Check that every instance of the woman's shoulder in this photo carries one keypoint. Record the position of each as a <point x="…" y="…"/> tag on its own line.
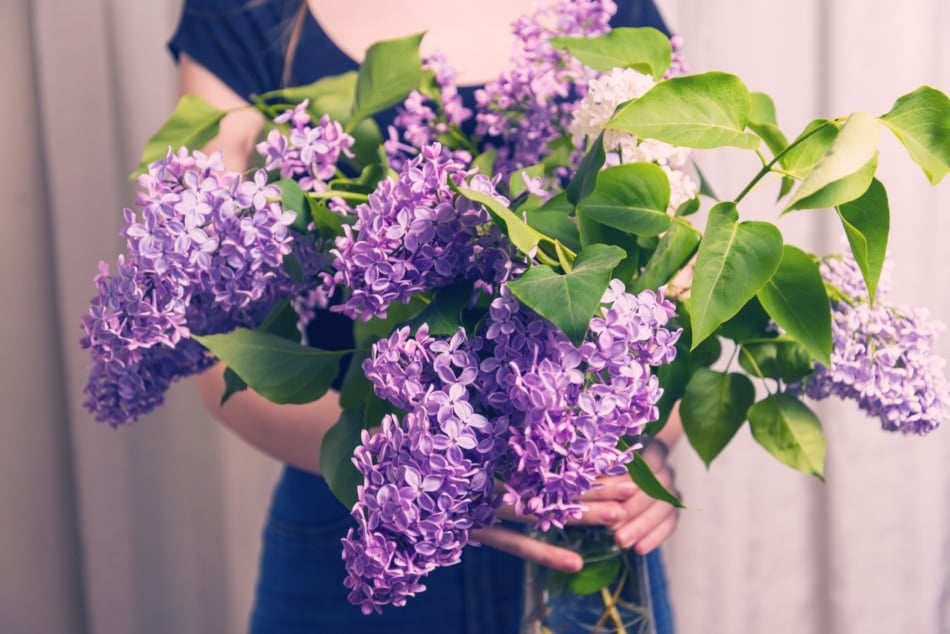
<point x="240" y="41"/>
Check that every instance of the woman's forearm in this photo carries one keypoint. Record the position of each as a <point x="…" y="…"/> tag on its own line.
<point x="290" y="433"/>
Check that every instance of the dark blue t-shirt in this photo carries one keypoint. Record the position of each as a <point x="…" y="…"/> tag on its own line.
<point x="243" y="41"/>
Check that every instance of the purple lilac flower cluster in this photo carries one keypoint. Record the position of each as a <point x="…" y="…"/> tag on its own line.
<point x="204" y="257"/>
<point x="414" y="234"/>
<point x="883" y="357"/>
<point x="428" y="477"/>
<point x="421" y="121"/>
<point x="569" y="405"/>
<point x="519" y="401"/>
<point x="530" y="105"/>
<point x="678" y="65"/>
<point x="306" y="152"/>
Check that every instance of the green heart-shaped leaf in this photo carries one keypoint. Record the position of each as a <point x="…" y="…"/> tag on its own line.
<point x="643" y="477"/>
<point x="808" y="148"/>
<point x="331" y="95"/>
<point x="570" y="300"/>
<point x="594" y="576"/>
<point x="789" y="431"/>
<point x="279" y="370"/>
<point x="293" y="198"/>
<point x="778" y="358"/>
<point x="762" y="121"/>
<point x="390" y="70"/>
<point x="702" y="111"/>
<point x="281" y="321"/>
<point x="713" y="409"/>
<point x="733" y="262"/>
<point x="631" y="198"/>
<point x="644" y="49"/>
<point x="921" y="121"/>
<point x="845" y="170"/>
<point x="334" y="96"/>
<point x="444" y="313"/>
<point x="795" y="298"/>
<point x="673" y="377"/>
<point x="751" y="322"/>
<point x="555" y="224"/>
<point x="368" y="332"/>
<point x="867" y="222"/>
<point x="192" y="124"/>
<point x="336" y="456"/>
<point x="585" y="178"/>
<point x="675" y="249"/>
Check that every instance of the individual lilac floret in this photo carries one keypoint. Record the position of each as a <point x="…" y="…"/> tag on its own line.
<point x="883" y="356"/>
<point x="307" y="152"/>
<point x="204" y="256"/>
<point x="413" y="235"/>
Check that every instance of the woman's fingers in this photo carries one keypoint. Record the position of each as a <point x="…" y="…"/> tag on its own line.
<point x="643" y="523"/>
<point x="613" y="488"/>
<point x="520" y="545"/>
<point x="595" y="513"/>
<point x="658" y="535"/>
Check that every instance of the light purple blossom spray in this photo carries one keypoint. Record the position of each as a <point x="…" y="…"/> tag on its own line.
<point x="518" y="401"/>
<point x="883" y="356"/>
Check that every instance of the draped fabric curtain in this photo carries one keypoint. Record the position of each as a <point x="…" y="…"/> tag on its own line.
<point x="155" y="528"/>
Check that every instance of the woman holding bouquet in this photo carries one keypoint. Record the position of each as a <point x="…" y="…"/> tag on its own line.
<point x="229" y="50"/>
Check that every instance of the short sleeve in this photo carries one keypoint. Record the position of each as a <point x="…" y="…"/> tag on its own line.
<point x="639" y="13"/>
<point x="239" y="41"/>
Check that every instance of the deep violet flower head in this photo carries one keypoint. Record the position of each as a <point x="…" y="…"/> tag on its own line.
<point x="883" y="356"/>
<point x="203" y="256"/>
<point x="416" y="234"/>
<point x="518" y="401"/>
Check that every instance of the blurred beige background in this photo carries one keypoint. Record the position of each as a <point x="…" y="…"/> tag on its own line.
<point x="154" y="529"/>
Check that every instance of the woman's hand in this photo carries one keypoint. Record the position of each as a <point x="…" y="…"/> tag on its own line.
<point x="644" y="522"/>
<point x="514" y="542"/>
<point x="638" y="520"/>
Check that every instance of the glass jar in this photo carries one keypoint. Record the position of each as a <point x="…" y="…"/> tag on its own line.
<point x="611" y="595"/>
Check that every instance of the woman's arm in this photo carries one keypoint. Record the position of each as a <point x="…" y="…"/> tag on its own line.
<point x="239" y="128"/>
<point x="290" y="433"/>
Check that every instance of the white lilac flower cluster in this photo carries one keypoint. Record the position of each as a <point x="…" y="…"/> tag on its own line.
<point x="598" y="106"/>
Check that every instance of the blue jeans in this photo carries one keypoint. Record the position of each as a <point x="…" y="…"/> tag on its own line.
<point x="300" y="589"/>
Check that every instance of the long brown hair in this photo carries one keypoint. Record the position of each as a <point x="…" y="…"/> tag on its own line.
<point x="292" y="40"/>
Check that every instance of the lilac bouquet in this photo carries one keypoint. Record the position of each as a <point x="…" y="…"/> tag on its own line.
<point x="529" y="297"/>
